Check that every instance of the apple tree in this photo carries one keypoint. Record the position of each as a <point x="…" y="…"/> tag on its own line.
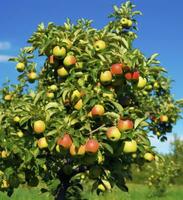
<point x="84" y="107"/>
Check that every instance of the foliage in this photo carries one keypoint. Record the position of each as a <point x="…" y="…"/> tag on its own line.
<point x="69" y="83"/>
<point x="163" y="174"/>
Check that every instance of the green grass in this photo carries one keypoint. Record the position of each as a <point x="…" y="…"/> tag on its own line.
<point x="136" y="192"/>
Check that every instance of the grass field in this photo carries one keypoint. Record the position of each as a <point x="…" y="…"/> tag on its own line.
<point x="136" y="192"/>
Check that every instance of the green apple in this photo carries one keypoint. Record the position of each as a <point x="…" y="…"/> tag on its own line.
<point x="130" y="146"/>
<point x="62" y="72"/>
<point x="156" y="85"/>
<point x="20" y="134"/>
<point x="149" y="156"/>
<point x="69" y="60"/>
<point x="106" y="77"/>
<point x="141" y="82"/>
<point x="20" y="67"/>
<point x="42" y="143"/>
<point x="101" y="187"/>
<point x="113" y="133"/>
<point x="53" y="88"/>
<point x="127" y="23"/>
<point x="32" y="76"/>
<point x="99" y="45"/>
<point x="50" y="95"/>
<point x="16" y="119"/>
<point x="59" y="52"/>
<point x="75" y="95"/>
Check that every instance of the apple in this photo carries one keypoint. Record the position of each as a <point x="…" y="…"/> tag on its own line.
<point x="92" y="146"/>
<point x="113" y="133"/>
<point x="108" y="95"/>
<point x="62" y="72"/>
<point x="106" y="184"/>
<point x="51" y="59"/>
<point x="20" y="134"/>
<point x="97" y="110"/>
<point x="4" y="154"/>
<point x="72" y="149"/>
<point x="142" y="82"/>
<point x="164" y="118"/>
<point x="53" y="88"/>
<point x="50" y="95"/>
<point x="32" y="76"/>
<point x="130" y="23"/>
<point x="79" y="105"/>
<point x="59" y="52"/>
<point x="79" y="65"/>
<point x="99" y="45"/>
<point x="77" y="151"/>
<point x="106" y="77"/>
<point x="135" y="75"/>
<point x="20" y="67"/>
<point x="42" y="143"/>
<point x="68" y="43"/>
<point x="148" y="87"/>
<point x="149" y="156"/>
<point x="117" y="69"/>
<point x="128" y="76"/>
<point x="101" y="187"/>
<point x="75" y="95"/>
<point x="16" y="119"/>
<point x="39" y="126"/>
<point x="65" y="141"/>
<point x="5" y="184"/>
<point x="69" y="60"/>
<point x="125" y="124"/>
<point x="8" y="97"/>
<point x="81" y="150"/>
<point x="158" y="133"/>
<point x="130" y="146"/>
<point x="124" y="22"/>
<point x="156" y="85"/>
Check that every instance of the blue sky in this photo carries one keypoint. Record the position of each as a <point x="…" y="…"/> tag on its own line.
<point x="160" y="30"/>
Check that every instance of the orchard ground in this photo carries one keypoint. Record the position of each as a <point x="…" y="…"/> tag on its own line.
<point x="136" y="192"/>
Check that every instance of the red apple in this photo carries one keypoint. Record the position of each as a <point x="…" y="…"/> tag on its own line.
<point x="135" y="75"/>
<point x="97" y="110"/>
<point x="117" y="69"/>
<point x="65" y="141"/>
<point x="125" y="124"/>
<point x="92" y="146"/>
<point x="69" y="60"/>
<point x="128" y="76"/>
<point x="113" y="133"/>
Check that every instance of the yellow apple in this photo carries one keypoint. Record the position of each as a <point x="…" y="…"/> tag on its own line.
<point x="130" y="146"/>
<point x="148" y="156"/>
<point x="42" y="143"/>
<point x="141" y="82"/>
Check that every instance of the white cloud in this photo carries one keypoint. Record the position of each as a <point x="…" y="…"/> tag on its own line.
<point x="4" y="58"/>
<point x="5" y="45"/>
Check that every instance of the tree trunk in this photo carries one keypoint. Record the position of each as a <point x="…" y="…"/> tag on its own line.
<point x="62" y="190"/>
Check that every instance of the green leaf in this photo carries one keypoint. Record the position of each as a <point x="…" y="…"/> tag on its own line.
<point x="108" y="147"/>
<point x="38" y="96"/>
<point x="137" y="122"/>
